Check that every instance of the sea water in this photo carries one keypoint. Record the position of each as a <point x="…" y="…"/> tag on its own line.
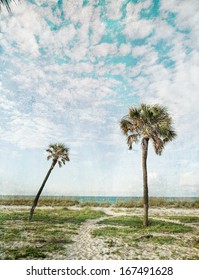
<point x="110" y="199"/>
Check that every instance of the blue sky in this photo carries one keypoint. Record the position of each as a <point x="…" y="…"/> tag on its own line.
<point x="69" y="71"/>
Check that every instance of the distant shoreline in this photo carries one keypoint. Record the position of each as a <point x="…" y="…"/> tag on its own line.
<point x="102" y="201"/>
<point x="100" y="198"/>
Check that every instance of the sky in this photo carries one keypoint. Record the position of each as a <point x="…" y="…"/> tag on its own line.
<point x="70" y="70"/>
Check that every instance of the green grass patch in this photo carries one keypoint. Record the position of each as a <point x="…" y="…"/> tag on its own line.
<point x="162" y="240"/>
<point x="47" y="235"/>
<point x="54" y="216"/>
<point x="25" y="252"/>
<point x="136" y="223"/>
<point x="184" y="219"/>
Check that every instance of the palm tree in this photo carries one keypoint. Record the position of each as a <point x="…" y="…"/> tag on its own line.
<point x="6" y="3"/>
<point x="59" y="154"/>
<point x="147" y="122"/>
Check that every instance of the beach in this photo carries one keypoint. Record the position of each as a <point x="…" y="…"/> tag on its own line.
<point x="86" y="247"/>
<point x="95" y="239"/>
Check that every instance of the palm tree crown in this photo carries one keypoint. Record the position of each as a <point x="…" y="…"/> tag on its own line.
<point x="59" y="153"/>
<point x="148" y="122"/>
<point x="7" y="3"/>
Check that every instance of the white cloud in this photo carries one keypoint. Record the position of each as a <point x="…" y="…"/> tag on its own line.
<point x="138" y="29"/>
<point x="104" y="49"/>
<point x="189" y="179"/>
<point x="118" y="69"/>
<point x="114" y="9"/>
<point x="30" y="133"/>
<point x="71" y="9"/>
<point x="141" y="50"/>
<point x="125" y="49"/>
<point x="98" y="27"/>
<point x="22" y="27"/>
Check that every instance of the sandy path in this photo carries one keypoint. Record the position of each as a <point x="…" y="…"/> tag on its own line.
<point x="85" y="247"/>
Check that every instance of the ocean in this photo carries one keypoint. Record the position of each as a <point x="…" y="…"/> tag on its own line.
<point x="110" y="199"/>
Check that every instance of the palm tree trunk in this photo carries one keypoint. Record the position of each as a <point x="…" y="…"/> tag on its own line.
<point x="40" y="190"/>
<point x="145" y="179"/>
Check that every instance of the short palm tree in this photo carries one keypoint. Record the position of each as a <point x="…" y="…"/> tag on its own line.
<point x="59" y="154"/>
<point x="147" y="122"/>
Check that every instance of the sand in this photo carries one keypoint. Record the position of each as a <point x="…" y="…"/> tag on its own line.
<point x="86" y="247"/>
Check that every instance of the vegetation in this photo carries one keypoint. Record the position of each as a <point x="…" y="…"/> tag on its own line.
<point x="160" y="202"/>
<point x="7" y="3"/>
<point x="135" y="223"/>
<point x="127" y="236"/>
<point x="43" y="201"/>
<point x="47" y="237"/>
<point x="185" y="219"/>
<point x="66" y="202"/>
<point x="147" y="122"/>
<point x="59" y="154"/>
<point x="95" y="204"/>
<point x="50" y="235"/>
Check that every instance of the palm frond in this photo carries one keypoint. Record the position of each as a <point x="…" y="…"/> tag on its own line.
<point x="59" y="163"/>
<point x="67" y="158"/>
<point x="125" y="125"/>
<point x="49" y="157"/>
<point x="133" y="138"/>
<point x="7" y="3"/>
<point x="171" y="134"/>
<point x="134" y="113"/>
<point x="49" y="151"/>
<point x="158" y="145"/>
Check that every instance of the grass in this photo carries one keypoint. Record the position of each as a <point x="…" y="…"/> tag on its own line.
<point x="159" y="202"/>
<point x="184" y="219"/>
<point x="131" y="228"/>
<point x="51" y="232"/>
<point x="64" y="202"/>
<point x="135" y="223"/>
<point x="54" y="216"/>
<point x="161" y="239"/>
<point x="46" y="237"/>
<point x="94" y="204"/>
<point x="43" y="201"/>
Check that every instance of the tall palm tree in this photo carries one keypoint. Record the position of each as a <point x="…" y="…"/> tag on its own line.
<point x="147" y="122"/>
<point x="59" y="154"/>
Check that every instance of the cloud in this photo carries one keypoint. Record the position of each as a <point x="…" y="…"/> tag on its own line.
<point x="65" y="76"/>
<point x="125" y="49"/>
<point x="21" y="29"/>
<point x="105" y="49"/>
<point x="189" y="179"/>
<point x="139" y="29"/>
<point x="30" y="133"/>
<point x="114" y="9"/>
<point x="97" y="26"/>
